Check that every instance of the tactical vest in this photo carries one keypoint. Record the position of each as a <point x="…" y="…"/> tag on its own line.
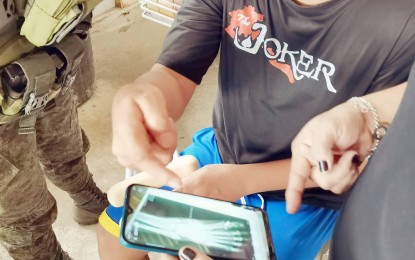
<point x="34" y="68"/>
<point x="42" y="22"/>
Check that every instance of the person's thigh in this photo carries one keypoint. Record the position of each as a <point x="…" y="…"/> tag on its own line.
<point x="110" y="248"/>
<point x="297" y="236"/>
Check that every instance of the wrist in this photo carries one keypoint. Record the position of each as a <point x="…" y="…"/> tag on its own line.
<point x="370" y="115"/>
<point x="243" y="176"/>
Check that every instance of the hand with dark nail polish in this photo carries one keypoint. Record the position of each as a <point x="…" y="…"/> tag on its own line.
<point x="319" y="152"/>
<point x="323" y="166"/>
<point x="187" y="253"/>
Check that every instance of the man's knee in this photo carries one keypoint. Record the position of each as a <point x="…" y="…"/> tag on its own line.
<point x="109" y="247"/>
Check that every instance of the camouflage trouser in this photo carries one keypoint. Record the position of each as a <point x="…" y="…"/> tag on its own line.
<point x="57" y="150"/>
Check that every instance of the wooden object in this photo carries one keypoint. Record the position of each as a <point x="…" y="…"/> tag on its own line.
<point x="160" y="11"/>
<point x="124" y="3"/>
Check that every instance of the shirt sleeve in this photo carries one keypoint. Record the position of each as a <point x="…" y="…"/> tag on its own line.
<point x="194" y="39"/>
<point x="397" y="66"/>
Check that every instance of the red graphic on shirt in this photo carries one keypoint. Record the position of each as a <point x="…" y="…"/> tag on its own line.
<point x="243" y="20"/>
<point x="285" y="68"/>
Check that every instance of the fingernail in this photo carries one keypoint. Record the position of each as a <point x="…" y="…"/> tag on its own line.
<point x="323" y="166"/>
<point x="187" y="254"/>
<point x="355" y="162"/>
<point x="356" y="159"/>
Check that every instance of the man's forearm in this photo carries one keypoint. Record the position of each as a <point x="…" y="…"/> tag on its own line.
<point x="176" y="89"/>
<point x="387" y="101"/>
<point x="269" y="176"/>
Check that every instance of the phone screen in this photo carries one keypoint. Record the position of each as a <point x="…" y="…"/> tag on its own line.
<point x="164" y="221"/>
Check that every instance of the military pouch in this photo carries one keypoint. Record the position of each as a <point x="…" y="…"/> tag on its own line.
<point x="26" y="84"/>
<point x="29" y="83"/>
<point x="70" y="50"/>
<point x="47" y="22"/>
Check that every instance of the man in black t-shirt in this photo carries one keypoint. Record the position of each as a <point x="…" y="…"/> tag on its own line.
<point x="281" y="63"/>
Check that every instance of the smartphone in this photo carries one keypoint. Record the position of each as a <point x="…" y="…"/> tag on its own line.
<point x="164" y="221"/>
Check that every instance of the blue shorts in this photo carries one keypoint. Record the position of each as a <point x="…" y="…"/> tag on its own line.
<point x="299" y="236"/>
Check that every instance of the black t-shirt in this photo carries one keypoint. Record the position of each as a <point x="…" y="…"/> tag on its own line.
<point x="377" y="220"/>
<point x="282" y="64"/>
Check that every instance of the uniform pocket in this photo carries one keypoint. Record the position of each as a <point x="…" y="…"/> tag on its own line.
<point x="7" y="172"/>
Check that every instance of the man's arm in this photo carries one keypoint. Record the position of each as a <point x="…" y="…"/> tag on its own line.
<point x="268" y="176"/>
<point x="144" y="132"/>
<point x="387" y="101"/>
<point x="233" y="181"/>
<point x="176" y="89"/>
<point x="143" y="114"/>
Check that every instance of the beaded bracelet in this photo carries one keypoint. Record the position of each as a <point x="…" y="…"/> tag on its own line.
<point x="379" y="131"/>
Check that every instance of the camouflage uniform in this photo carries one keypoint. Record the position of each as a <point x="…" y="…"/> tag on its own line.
<point x="57" y="150"/>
